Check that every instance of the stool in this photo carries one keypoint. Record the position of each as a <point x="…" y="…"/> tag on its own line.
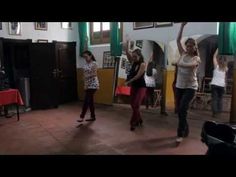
<point x="157" y="93"/>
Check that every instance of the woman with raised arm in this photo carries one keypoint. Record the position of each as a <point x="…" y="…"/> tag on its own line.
<point x="186" y="83"/>
<point x="218" y="83"/>
<point x="150" y="80"/>
<point x="138" y="86"/>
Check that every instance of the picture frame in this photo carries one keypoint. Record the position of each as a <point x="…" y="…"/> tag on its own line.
<point x="41" y="26"/>
<point x="108" y="60"/>
<point x="42" y="41"/>
<point x="163" y="24"/>
<point x="139" y="44"/>
<point x="66" y="25"/>
<point x="128" y="66"/>
<point x="0" y="25"/>
<point x="142" y="25"/>
<point x="123" y="63"/>
<point x="14" y="28"/>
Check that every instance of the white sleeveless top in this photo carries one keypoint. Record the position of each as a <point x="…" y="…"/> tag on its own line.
<point x="187" y="77"/>
<point x="151" y="80"/>
<point x="218" y="77"/>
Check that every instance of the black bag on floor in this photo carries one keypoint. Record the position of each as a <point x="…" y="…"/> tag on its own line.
<point x="220" y="138"/>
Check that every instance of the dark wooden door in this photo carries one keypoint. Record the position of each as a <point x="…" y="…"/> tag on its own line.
<point x="44" y="78"/>
<point x="1" y="53"/>
<point x="66" y="65"/>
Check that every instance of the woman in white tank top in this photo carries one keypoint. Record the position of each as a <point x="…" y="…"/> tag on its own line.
<point x="218" y="83"/>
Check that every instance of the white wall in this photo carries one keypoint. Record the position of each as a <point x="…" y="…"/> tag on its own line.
<point x="166" y="34"/>
<point x="54" y="32"/>
<point x="162" y="34"/>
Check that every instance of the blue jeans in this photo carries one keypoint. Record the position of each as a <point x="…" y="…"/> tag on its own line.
<point x="184" y="97"/>
<point x="217" y="98"/>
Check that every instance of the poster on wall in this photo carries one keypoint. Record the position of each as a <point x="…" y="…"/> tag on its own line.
<point x="108" y="60"/>
<point x="66" y="25"/>
<point x="0" y="25"/>
<point x="41" y="26"/>
<point x="143" y="25"/>
<point x="163" y="24"/>
<point x="14" y="28"/>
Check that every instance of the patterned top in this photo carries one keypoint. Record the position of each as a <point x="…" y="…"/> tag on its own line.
<point x="186" y="76"/>
<point x="90" y="76"/>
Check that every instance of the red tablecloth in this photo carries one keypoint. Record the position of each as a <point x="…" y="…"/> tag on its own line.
<point x="10" y="96"/>
<point x="123" y="90"/>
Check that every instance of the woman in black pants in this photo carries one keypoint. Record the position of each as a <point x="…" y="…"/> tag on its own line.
<point x="186" y="83"/>
<point x="218" y="83"/>
<point x="91" y="84"/>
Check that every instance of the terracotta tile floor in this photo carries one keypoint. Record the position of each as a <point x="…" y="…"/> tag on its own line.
<point x="56" y="131"/>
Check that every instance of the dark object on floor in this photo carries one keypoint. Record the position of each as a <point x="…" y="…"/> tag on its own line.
<point x="220" y="138"/>
<point x="92" y="119"/>
<point x="164" y="113"/>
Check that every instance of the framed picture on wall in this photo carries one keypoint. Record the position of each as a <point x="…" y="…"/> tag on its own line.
<point x="14" y="28"/>
<point x="123" y="63"/>
<point x="41" y="26"/>
<point x="128" y="66"/>
<point x="163" y="24"/>
<point x="143" y="25"/>
<point x="108" y="60"/>
<point x="42" y="41"/>
<point x="0" y="25"/>
<point x="139" y="44"/>
<point x="66" y="25"/>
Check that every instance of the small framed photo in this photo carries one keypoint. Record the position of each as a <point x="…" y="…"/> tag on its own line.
<point x="0" y="25"/>
<point x="139" y="44"/>
<point x="163" y="24"/>
<point x="66" y="25"/>
<point x="41" y="26"/>
<point x="123" y="63"/>
<point x="108" y="60"/>
<point x="14" y="28"/>
<point x="143" y="25"/>
<point x="128" y="66"/>
<point x="42" y="41"/>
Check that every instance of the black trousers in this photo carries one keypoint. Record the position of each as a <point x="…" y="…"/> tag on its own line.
<point x="149" y="96"/>
<point x="184" y="97"/>
<point x="217" y="98"/>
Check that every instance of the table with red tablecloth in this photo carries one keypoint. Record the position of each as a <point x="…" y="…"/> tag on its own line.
<point x="11" y="96"/>
<point x="123" y="90"/>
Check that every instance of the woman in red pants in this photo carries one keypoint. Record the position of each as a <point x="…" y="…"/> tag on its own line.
<point x="138" y="85"/>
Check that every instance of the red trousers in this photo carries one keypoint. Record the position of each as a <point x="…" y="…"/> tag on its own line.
<point x="137" y="95"/>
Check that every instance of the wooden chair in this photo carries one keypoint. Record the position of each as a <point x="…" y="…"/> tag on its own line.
<point x="202" y="97"/>
<point x="157" y="101"/>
